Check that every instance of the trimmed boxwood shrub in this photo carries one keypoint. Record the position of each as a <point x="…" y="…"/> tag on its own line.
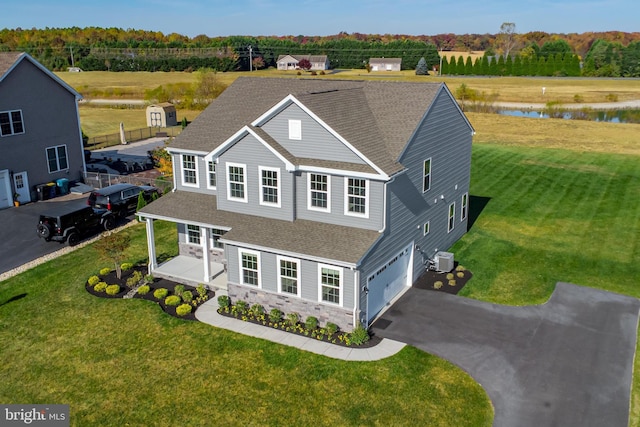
<point x="100" y="287"/>
<point x="311" y="323"/>
<point x="172" y="300"/>
<point x="105" y="271"/>
<point x="331" y="328"/>
<point x="183" y="309"/>
<point x="113" y="289"/>
<point x="160" y="293"/>
<point x="275" y="315"/>
<point x="93" y="280"/>
<point x="144" y="289"/>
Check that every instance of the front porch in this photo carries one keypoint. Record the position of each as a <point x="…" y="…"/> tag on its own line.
<point x="189" y="271"/>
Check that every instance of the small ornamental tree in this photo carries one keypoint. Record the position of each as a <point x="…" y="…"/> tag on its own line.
<point x="142" y="202"/>
<point x="421" y="68"/>
<point x="112" y="246"/>
<point x="304" y="64"/>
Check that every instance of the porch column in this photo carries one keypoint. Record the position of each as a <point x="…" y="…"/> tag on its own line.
<point x="151" y="245"/>
<point x="204" y="239"/>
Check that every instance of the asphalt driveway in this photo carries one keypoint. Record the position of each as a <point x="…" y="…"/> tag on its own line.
<point x="568" y="362"/>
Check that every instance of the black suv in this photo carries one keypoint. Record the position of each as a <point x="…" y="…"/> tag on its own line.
<point x="121" y="199"/>
<point x="70" y="223"/>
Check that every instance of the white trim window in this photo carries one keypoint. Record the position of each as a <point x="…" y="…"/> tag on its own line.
<point x="11" y="123"/>
<point x="355" y="193"/>
<point x="319" y="192"/>
<point x="57" y="158"/>
<point x="426" y="228"/>
<point x="269" y="186"/>
<point x="295" y="129"/>
<point x="189" y="170"/>
<point x="330" y="283"/>
<point x="426" y="175"/>
<point x="464" y="206"/>
<point x="193" y="234"/>
<point x="237" y="182"/>
<point x="452" y="217"/>
<point x="211" y="172"/>
<point x="214" y="238"/>
<point x="289" y="276"/>
<point x="249" y="262"/>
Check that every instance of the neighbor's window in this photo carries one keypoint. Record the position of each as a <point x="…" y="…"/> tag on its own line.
<point x="295" y="129"/>
<point x="319" y="192"/>
<point x="249" y="268"/>
<point x="289" y="270"/>
<point x="426" y="176"/>
<point x="236" y="182"/>
<point x="57" y="158"/>
<point x="11" y="123"/>
<point x="426" y="228"/>
<point x="193" y="234"/>
<point x="356" y="194"/>
<point x="452" y="216"/>
<point x="212" y="174"/>
<point x="330" y="279"/>
<point x="269" y="186"/>
<point x="463" y="207"/>
<point x="189" y="170"/>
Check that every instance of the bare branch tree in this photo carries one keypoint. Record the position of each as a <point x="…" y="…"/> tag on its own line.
<point x="507" y="38"/>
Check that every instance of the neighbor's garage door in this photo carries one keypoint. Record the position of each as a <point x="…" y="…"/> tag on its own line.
<point x="388" y="280"/>
<point x="5" y="190"/>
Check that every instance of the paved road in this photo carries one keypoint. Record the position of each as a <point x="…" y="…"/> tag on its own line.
<point x="568" y="362"/>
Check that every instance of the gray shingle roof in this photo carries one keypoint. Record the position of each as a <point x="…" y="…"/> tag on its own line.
<point x="385" y="61"/>
<point x="316" y="239"/>
<point x="377" y="118"/>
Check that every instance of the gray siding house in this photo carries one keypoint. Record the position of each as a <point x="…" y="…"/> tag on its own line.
<point x="40" y="135"/>
<point x="321" y="197"/>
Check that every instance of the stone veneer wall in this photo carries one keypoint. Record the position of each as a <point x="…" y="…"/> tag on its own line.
<point x="325" y="313"/>
<point x="195" y="251"/>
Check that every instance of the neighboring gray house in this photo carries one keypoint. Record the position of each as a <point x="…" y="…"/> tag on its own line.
<point x="385" y="64"/>
<point x="322" y="197"/>
<point x="290" y="62"/>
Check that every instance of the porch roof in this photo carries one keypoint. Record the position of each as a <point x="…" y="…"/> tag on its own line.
<point x="304" y="237"/>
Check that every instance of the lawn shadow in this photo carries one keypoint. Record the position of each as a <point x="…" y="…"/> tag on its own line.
<point x="476" y="206"/>
<point x="13" y="298"/>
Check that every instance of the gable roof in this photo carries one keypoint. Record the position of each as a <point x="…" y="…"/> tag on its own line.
<point x="385" y="61"/>
<point x="311" y="58"/>
<point x="377" y="118"/>
<point x="10" y="60"/>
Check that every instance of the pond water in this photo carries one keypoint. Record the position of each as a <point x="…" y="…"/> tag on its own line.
<point x="613" y="116"/>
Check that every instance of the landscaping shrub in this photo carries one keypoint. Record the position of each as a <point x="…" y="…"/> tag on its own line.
<point x="93" y="280"/>
<point x="275" y="315"/>
<point x="105" y="271"/>
<point x="241" y="307"/>
<point x="100" y="287"/>
<point x="256" y="310"/>
<point x="183" y="309"/>
<point x="437" y="284"/>
<point x="460" y="274"/>
<point x="460" y="268"/>
<point x="450" y="276"/>
<point x="144" y="289"/>
<point x="293" y="319"/>
<point x="134" y="279"/>
<point x="187" y="296"/>
<point x="201" y="290"/>
<point x="148" y="278"/>
<point x="359" y="336"/>
<point x="178" y="290"/>
<point x="452" y="282"/>
<point x="113" y="289"/>
<point x="224" y="301"/>
<point x="172" y="300"/>
<point x="126" y="266"/>
<point x="331" y="328"/>
<point x="311" y="323"/>
<point x="160" y="293"/>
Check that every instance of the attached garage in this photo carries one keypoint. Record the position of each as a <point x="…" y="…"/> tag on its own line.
<point x="388" y="281"/>
<point x="6" y="197"/>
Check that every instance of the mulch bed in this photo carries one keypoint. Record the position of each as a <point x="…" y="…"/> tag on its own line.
<point x="430" y="277"/>
<point x="112" y="279"/>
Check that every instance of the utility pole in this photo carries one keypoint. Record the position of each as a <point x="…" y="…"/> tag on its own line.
<point x="71" y="49"/>
<point x="250" y="59"/>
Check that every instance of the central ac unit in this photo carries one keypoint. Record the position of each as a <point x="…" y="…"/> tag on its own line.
<point x="443" y="261"/>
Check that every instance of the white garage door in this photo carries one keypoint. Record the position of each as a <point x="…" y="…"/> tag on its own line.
<point x="388" y="280"/>
<point x="5" y="190"/>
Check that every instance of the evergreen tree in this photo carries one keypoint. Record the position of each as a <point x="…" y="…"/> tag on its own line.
<point x="468" y="66"/>
<point x="517" y="66"/>
<point x="445" y="66"/>
<point x="484" y="70"/>
<point x="508" y="66"/>
<point x="421" y="68"/>
<point x="500" y="66"/>
<point x="460" y="68"/>
<point x="477" y="67"/>
<point x="493" y="66"/>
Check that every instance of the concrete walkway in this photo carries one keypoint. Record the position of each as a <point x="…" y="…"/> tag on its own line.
<point x="208" y="313"/>
<point x="568" y="362"/>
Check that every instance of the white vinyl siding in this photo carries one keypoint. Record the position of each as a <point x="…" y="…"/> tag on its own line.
<point x="452" y="217"/>
<point x="211" y="170"/>
<point x="356" y="196"/>
<point x="330" y="280"/>
<point x="269" y="186"/>
<point x="237" y="182"/>
<point x="426" y="175"/>
<point x="295" y="129"/>
<point x="289" y="276"/>
<point x="319" y="192"/>
<point x="11" y="123"/>
<point x="57" y="158"/>
<point x="249" y="267"/>
<point x="189" y="170"/>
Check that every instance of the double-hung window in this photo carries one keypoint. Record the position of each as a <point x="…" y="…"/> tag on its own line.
<point x="289" y="275"/>
<point x="236" y="182"/>
<point x="249" y="267"/>
<point x="216" y="234"/>
<point x="57" y="158"/>
<point x="211" y="170"/>
<point x="189" y="170"/>
<point x="319" y="192"/>
<point x="11" y="123"/>
<point x="426" y="175"/>
<point x="426" y="228"/>
<point x="464" y="206"/>
<point x="452" y="217"/>
<point x="193" y="234"/>
<point x="269" y="186"/>
<point x="356" y="202"/>
<point x="330" y="279"/>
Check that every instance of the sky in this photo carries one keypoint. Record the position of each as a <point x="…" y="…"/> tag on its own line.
<point x="326" y="17"/>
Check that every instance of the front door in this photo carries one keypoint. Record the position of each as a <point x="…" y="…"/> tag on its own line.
<point x="21" y="187"/>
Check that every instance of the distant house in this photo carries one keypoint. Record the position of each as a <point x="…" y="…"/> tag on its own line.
<point x="385" y="64"/>
<point x="322" y="197"/>
<point x="290" y="62"/>
<point x="40" y="135"/>
<point x="162" y="115"/>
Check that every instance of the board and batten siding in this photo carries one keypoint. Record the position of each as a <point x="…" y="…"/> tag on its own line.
<point x="337" y="194"/>
<point x="307" y="278"/>
<point x="316" y="142"/>
<point x="445" y="137"/>
<point x="253" y="154"/>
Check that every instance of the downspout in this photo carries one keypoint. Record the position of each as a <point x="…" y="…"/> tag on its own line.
<point x="356" y="296"/>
